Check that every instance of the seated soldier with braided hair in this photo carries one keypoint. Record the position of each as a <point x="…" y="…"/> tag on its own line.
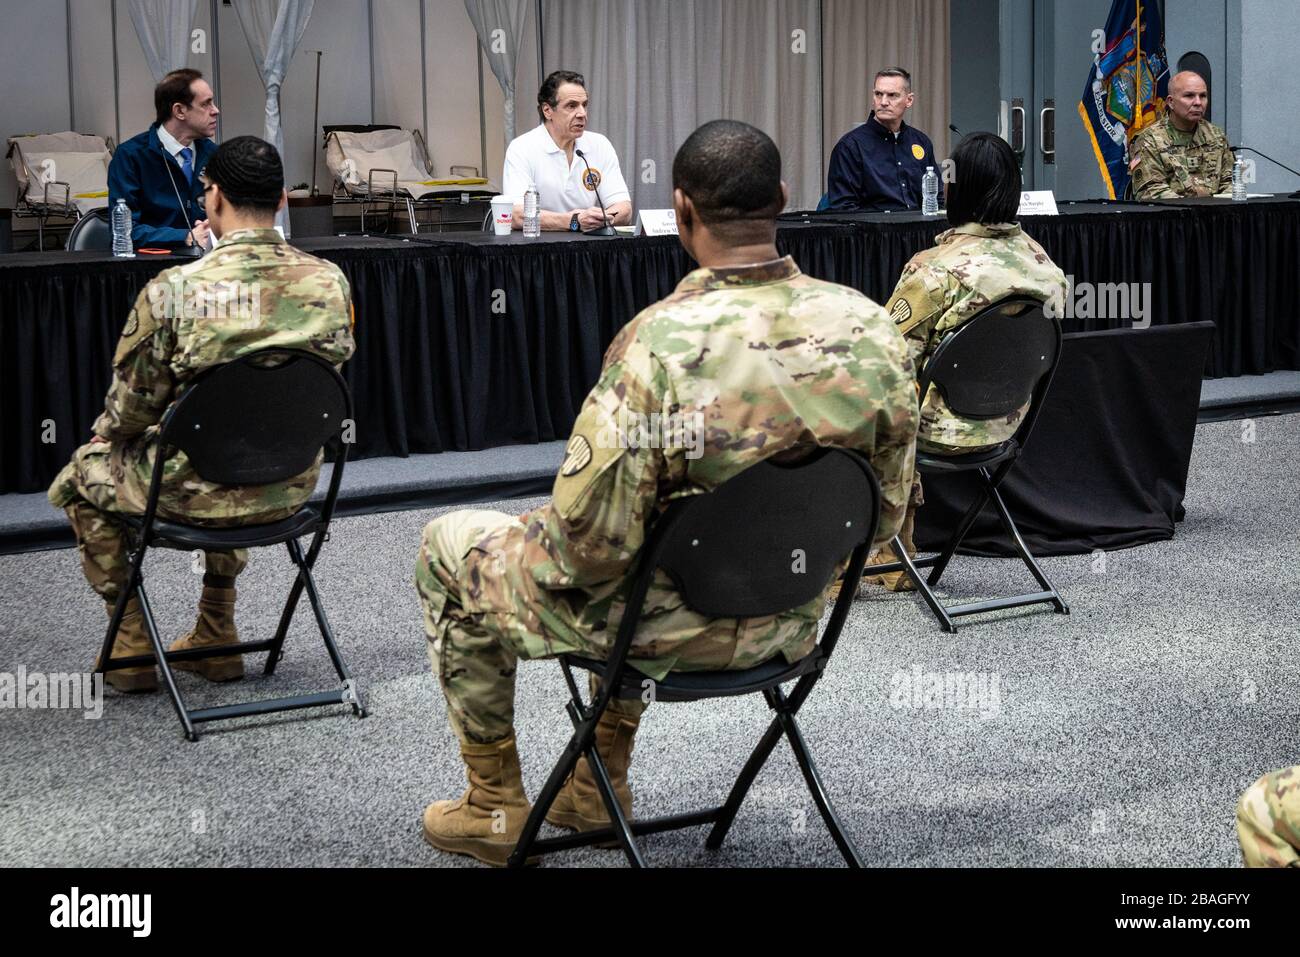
<point x="254" y="291"/>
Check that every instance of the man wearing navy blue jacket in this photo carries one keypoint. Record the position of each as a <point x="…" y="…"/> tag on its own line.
<point x="879" y="165"/>
<point x="157" y="172"/>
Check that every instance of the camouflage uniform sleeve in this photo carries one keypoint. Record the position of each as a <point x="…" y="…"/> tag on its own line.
<point x="606" y="492"/>
<point x="1150" y="177"/>
<point x="894" y="455"/>
<point x="915" y="307"/>
<point x="142" y="384"/>
<point x="1227" y="161"/>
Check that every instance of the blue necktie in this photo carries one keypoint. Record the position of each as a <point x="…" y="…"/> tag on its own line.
<point x="186" y="167"/>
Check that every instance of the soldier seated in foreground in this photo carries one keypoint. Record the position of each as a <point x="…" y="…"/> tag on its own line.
<point x="254" y="291"/>
<point x="749" y="357"/>
<point x="1268" y="820"/>
<point x="985" y="257"/>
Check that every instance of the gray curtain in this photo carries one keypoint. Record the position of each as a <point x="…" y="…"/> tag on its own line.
<point x="657" y="69"/>
<point x="163" y="27"/>
<point x="862" y="38"/>
<point x="502" y="50"/>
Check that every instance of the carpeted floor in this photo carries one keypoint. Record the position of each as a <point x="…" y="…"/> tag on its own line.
<point x="1120" y="735"/>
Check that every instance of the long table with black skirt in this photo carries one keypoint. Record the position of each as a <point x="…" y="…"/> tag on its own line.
<point x="470" y="341"/>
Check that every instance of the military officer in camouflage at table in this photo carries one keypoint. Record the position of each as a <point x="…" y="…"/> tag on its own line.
<point x="746" y="360"/>
<point x="983" y="258"/>
<point x="1268" y="820"/>
<point x="1182" y="154"/>
<point x="252" y="292"/>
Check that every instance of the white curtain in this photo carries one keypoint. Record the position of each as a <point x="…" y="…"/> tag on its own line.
<point x="163" y="27"/>
<point x="862" y="38"/>
<point x="500" y="28"/>
<point x="274" y="28"/>
<point x="657" y="69"/>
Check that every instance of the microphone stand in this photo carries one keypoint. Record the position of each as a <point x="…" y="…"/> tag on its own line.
<point x="607" y="229"/>
<point x="1251" y="149"/>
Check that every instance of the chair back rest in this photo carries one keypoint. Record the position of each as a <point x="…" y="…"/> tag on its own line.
<point x="92" y="231"/>
<point x="251" y="422"/>
<point x="997" y="361"/>
<point x="768" y="540"/>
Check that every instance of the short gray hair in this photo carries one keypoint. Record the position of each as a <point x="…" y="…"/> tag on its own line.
<point x="899" y="72"/>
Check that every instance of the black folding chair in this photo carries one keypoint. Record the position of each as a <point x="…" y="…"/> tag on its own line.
<point x="987" y="369"/>
<point x="766" y="542"/>
<point x="247" y="423"/>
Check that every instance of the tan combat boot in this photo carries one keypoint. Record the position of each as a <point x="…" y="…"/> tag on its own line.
<point x="485" y="822"/>
<point x="899" y="580"/>
<point x="215" y="626"/>
<point x="579" y="805"/>
<point x="132" y="639"/>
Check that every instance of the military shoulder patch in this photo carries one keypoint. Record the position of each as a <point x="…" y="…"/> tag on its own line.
<point x="901" y="312"/>
<point x="577" y="456"/>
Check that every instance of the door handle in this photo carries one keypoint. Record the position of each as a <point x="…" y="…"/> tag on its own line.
<point x="1018" y="131"/>
<point x="1047" y="131"/>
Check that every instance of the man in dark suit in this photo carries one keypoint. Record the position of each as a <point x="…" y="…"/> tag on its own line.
<point x="879" y="165"/>
<point x="157" y="172"/>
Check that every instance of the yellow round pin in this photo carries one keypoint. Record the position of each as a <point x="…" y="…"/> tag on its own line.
<point x="918" y="151"/>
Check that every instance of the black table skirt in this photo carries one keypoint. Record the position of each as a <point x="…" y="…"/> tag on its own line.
<point x="1106" y="466"/>
<point x="437" y="369"/>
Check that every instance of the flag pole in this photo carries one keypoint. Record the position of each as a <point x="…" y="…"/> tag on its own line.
<point x="1137" y="73"/>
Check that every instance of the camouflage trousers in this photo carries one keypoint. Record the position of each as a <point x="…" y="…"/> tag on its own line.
<point x="88" y="489"/>
<point x="1268" y="820"/>
<point x="475" y="655"/>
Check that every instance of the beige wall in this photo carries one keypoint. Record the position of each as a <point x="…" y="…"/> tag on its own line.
<point x="34" y="60"/>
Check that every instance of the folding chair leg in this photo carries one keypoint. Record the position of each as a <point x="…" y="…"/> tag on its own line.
<point x="809" y="769"/>
<point x="958" y="536"/>
<point x="581" y="737"/>
<point x="727" y="814"/>
<point x="161" y="654"/>
<point x="617" y="818"/>
<point x="286" y="616"/>
<point x="924" y="588"/>
<point x="1009" y="524"/>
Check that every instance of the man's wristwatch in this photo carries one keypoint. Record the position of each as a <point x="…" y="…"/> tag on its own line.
<point x="573" y="223"/>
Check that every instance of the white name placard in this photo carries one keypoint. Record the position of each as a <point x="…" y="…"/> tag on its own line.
<point x="656" y="222"/>
<point x="1038" y="203"/>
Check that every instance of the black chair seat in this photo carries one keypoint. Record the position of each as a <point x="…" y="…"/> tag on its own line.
<point x="698" y="685"/>
<point x="174" y="535"/>
<point x="965" y="463"/>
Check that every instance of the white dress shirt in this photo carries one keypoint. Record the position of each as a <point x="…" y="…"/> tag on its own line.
<point x="534" y="158"/>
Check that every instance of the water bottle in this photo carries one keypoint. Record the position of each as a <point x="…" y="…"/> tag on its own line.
<point x="122" y="230"/>
<point x="1238" y="181"/>
<point x="532" y="212"/>
<point x="930" y="193"/>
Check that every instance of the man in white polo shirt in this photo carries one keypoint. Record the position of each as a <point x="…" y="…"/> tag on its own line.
<point x="547" y="157"/>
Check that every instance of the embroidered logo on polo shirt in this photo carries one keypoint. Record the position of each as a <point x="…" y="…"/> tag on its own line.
<point x="918" y="151"/>
<point x="591" y="179"/>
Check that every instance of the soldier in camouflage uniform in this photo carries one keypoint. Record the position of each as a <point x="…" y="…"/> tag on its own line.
<point x="746" y="360"/>
<point x="253" y="292"/>
<point x="983" y="258"/>
<point x="1268" y="820"/>
<point x="1182" y="154"/>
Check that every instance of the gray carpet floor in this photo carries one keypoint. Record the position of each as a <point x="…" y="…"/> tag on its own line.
<point x="1120" y="735"/>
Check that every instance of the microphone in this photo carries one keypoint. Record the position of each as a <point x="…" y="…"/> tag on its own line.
<point x="1251" y="149"/>
<point x="953" y="127"/>
<point x="193" y="249"/>
<point x="607" y="229"/>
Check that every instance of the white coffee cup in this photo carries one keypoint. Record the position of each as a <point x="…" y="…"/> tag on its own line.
<point x="503" y="215"/>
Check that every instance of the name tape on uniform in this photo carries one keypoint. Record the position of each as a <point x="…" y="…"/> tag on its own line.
<point x="656" y="222"/>
<point x="1039" y="202"/>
